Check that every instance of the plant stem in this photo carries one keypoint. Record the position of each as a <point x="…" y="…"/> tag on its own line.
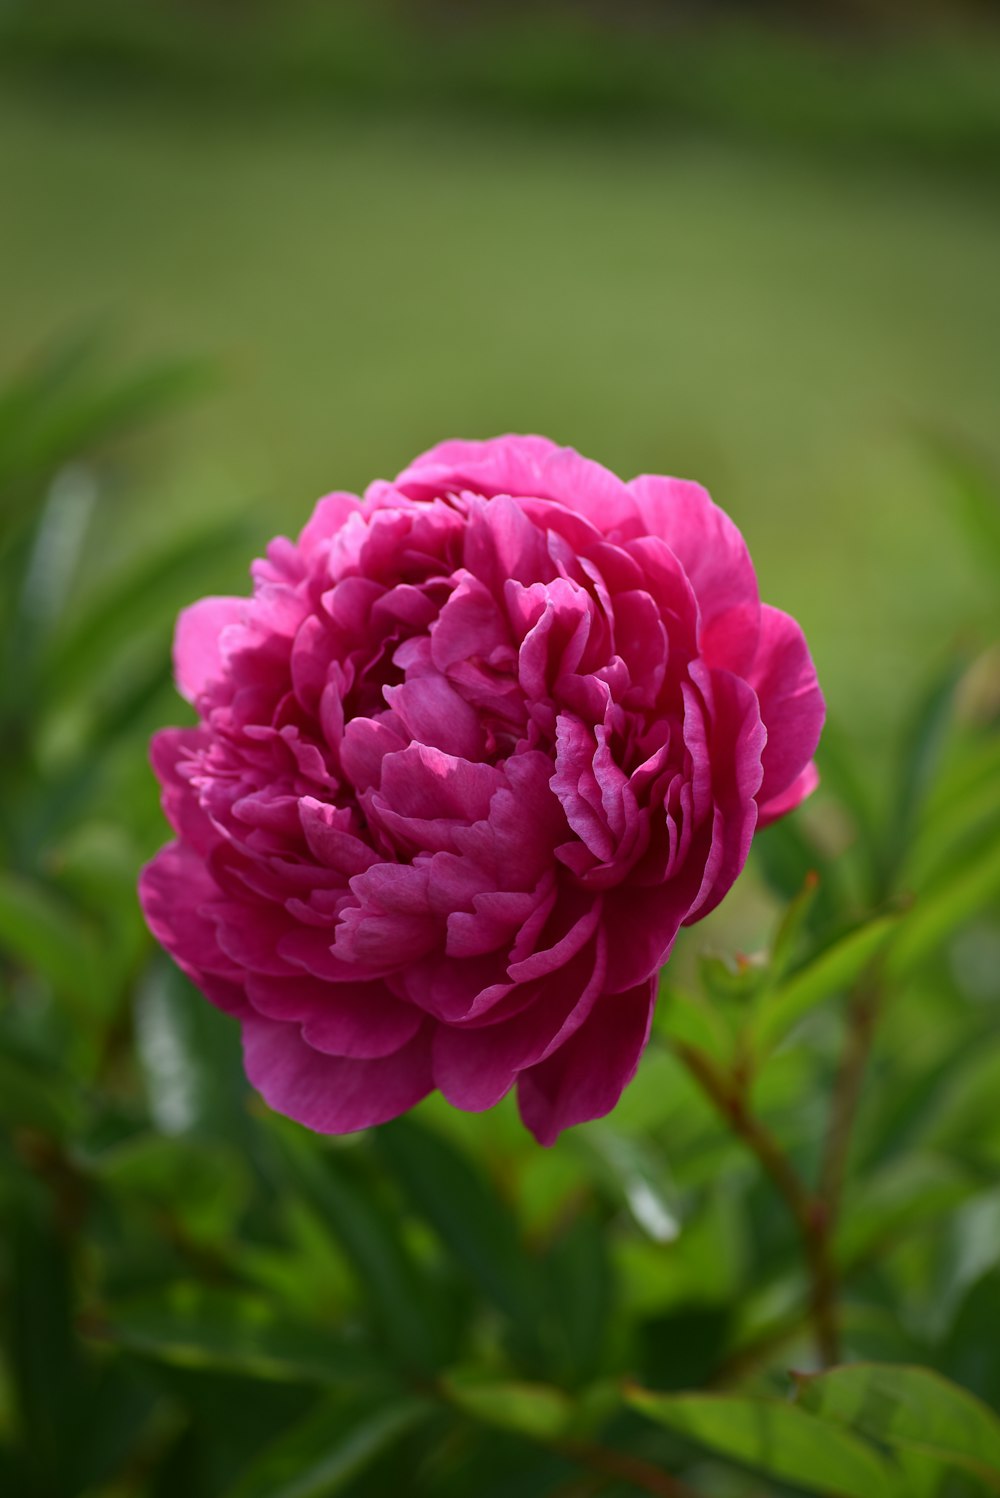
<point x="624" y="1467"/>
<point x="809" y="1211"/>
<point x="862" y="1017"/>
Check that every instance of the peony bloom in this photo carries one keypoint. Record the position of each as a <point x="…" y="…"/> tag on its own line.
<point x="475" y="749"/>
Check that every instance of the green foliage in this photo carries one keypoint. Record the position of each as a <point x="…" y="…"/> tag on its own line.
<point x="201" y="1298"/>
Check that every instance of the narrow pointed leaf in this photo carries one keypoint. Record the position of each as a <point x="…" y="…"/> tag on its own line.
<point x="191" y="1326"/>
<point x="322" y="1454"/>
<point x="832" y="972"/>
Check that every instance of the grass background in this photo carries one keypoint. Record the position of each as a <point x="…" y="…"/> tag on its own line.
<point x="779" y="326"/>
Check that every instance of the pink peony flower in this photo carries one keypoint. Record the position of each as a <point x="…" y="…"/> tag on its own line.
<point x="475" y="749"/>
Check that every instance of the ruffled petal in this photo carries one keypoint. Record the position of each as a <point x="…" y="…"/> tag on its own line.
<point x="792" y="707"/>
<point x="584" y="1078"/>
<point x="333" y="1094"/>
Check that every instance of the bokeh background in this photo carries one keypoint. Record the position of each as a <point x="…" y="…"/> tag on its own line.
<point x="250" y="252"/>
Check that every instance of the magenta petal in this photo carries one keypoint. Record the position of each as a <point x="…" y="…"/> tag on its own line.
<point x="361" y="1020"/>
<point x="475" y="747"/>
<point x="476" y="1067"/>
<point x="791" y="704"/>
<point x="172" y="891"/>
<point x="333" y="1094"/>
<point x="802" y="786"/>
<point x="715" y="558"/>
<point x="198" y="657"/>
<point x="584" y="1078"/>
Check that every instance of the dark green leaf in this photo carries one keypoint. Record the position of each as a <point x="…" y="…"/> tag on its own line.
<point x="475" y="1226"/>
<point x="42" y="933"/>
<point x="323" y="1453"/>
<point x="44" y="1356"/>
<point x="403" y="1303"/>
<point x="580" y="1298"/>
<point x="195" y="1327"/>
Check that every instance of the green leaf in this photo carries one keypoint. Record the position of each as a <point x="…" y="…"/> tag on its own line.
<point x="693" y="1020"/>
<point x="936" y="915"/>
<point x="892" y="1202"/>
<point x="833" y="971"/>
<point x="840" y="773"/>
<point x="791" y="927"/>
<point x="460" y="1205"/>
<point x="191" y="1326"/>
<point x="636" y="1172"/>
<point x="146" y="594"/>
<point x="909" y="1407"/>
<point x="775" y="1438"/>
<point x="540" y="1411"/>
<point x="35" y="1094"/>
<point x="204" y="1183"/>
<point x="45" y="935"/>
<point x="190" y="1057"/>
<point x="401" y="1298"/>
<point x="327" y="1450"/>
<point x="923" y="744"/>
<point x="580" y="1295"/>
<point x="969" y="1250"/>
<point x="43" y="1353"/>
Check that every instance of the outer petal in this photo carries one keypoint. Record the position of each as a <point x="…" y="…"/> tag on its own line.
<point x="735" y="743"/>
<point x="802" y="786"/>
<point x="332" y="1094"/>
<point x="475" y="1068"/>
<point x="198" y="657"/>
<point x="715" y="558"/>
<point x="173" y="890"/>
<point x="585" y="1077"/>
<point x="360" y="1020"/>
<point x="792" y="707"/>
<point x="530" y="466"/>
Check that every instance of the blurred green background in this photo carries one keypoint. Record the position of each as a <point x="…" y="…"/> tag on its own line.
<point x="253" y="252"/>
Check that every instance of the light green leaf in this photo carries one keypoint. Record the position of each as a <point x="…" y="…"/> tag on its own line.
<point x="914" y="1408"/>
<point x="146" y="594"/>
<point x="327" y="1450"/>
<point x="776" y="1438"/>
<point x="791" y="926"/>
<point x="191" y="1326"/>
<point x="935" y="916"/>
<point x="537" y="1410"/>
<point x="693" y="1020"/>
<point x="833" y="971"/>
